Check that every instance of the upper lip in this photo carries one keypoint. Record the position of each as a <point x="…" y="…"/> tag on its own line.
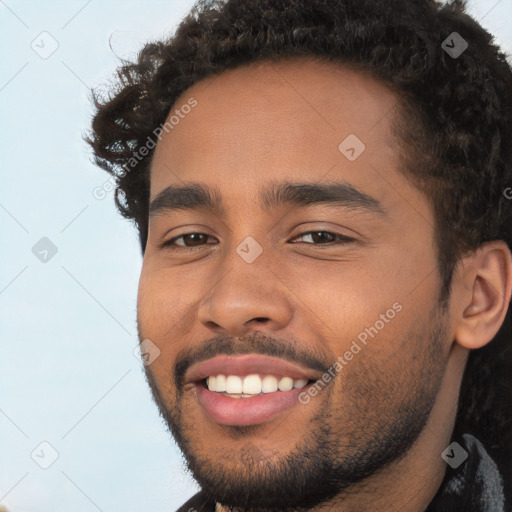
<point x="248" y="364"/>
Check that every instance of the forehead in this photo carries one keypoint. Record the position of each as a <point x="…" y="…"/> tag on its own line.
<point x="276" y="121"/>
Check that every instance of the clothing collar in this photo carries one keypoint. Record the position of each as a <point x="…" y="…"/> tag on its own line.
<point x="474" y="486"/>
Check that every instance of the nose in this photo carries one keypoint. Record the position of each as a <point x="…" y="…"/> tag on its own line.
<point x="247" y="297"/>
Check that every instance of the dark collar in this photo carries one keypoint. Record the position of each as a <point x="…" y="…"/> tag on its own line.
<point x="198" y="503"/>
<point x="474" y="486"/>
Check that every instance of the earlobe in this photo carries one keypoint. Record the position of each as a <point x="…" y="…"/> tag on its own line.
<point x="487" y="277"/>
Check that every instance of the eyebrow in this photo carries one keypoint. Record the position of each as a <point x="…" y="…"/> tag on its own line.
<point x="196" y="196"/>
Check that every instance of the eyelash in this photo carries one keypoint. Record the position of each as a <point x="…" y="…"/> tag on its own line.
<point x="169" y="244"/>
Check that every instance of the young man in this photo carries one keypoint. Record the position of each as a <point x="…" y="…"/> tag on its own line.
<point x="322" y="192"/>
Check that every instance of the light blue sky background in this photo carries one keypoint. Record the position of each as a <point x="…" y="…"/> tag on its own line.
<point x="69" y="376"/>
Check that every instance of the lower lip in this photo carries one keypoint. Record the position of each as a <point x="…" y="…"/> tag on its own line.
<point x="246" y="411"/>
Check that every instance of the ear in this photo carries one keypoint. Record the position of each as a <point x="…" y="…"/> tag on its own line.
<point x="483" y="285"/>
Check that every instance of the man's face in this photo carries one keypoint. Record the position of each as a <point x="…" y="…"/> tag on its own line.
<point x="289" y="292"/>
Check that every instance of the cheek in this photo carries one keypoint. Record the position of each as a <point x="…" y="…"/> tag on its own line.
<point x="392" y="373"/>
<point x="162" y="301"/>
<point x="164" y="317"/>
<point x="341" y="299"/>
<point x="364" y="312"/>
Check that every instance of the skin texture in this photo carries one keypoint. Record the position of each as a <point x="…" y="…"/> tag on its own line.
<point x="382" y="423"/>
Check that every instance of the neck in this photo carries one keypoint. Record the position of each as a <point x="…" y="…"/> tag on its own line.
<point x="410" y="483"/>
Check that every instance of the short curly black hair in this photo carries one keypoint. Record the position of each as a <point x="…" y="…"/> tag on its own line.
<point x="459" y="153"/>
<point x="455" y="112"/>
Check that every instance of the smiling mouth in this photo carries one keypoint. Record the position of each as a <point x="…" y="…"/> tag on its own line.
<point x="252" y="385"/>
<point x="244" y="409"/>
<point x="249" y="389"/>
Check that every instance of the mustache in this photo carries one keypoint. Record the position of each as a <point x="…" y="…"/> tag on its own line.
<point x="256" y="343"/>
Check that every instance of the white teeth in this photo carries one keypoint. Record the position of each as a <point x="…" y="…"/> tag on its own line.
<point x="220" y="383"/>
<point x="269" y="384"/>
<point x="251" y="385"/>
<point x="233" y="384"/>
<point x="285" y="384"/>
<point x="210" y="382"/>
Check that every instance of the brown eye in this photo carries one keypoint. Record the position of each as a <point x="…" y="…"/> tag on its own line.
<point x="190" y="240"/>
<point x="320" y="238"/>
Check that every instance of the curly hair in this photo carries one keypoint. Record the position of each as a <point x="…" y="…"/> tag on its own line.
<point x="454" y="125"/>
